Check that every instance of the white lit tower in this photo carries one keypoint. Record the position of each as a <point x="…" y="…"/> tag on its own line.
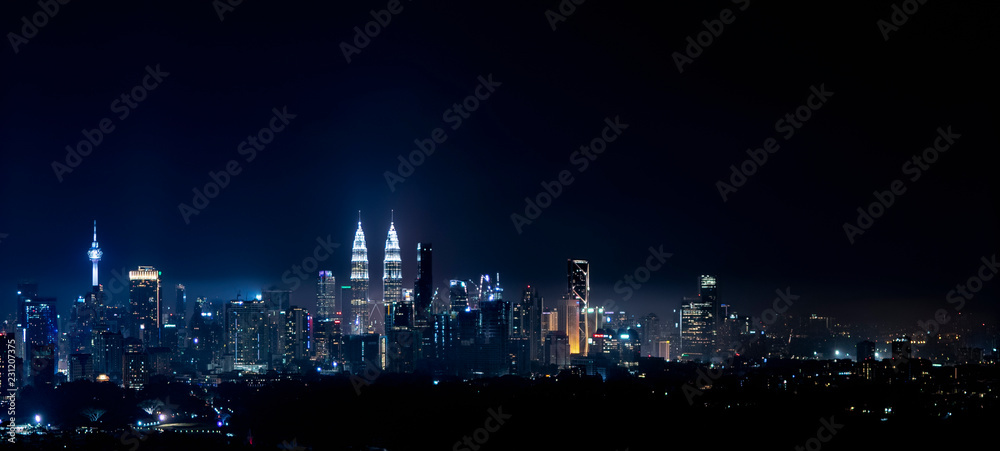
<point x="95" y="254"/>
<point x="359" y="323"/>
<point x="392" y="282"/>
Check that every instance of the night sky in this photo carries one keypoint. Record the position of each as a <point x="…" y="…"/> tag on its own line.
<point x="654" y="185"/>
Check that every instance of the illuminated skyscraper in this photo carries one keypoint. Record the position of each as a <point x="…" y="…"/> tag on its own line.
<point x="244" y="333"/>
<point x="398" y="311"/>
<point x="144" y="303"/>
<point x="326" y="296"/>
<point x="458" y="295"/>
<point x="180" y="306"/>
<point x="696" y="329"/>
<point x="578" y="280"/>
<point x="423" y="289"/>
<point x="392" y="282"/>
<point x="358" y="316"/>
<point x="708" y="290"/>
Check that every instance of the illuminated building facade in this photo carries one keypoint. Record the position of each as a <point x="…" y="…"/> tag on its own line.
<point x="144" y="303"/>
<point x="578" y="282"/>
<point x="326" y="296"/>
<point x="358" y="312"/>
<point x="695" y="329"/>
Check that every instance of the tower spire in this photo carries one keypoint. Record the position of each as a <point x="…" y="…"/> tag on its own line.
<point x="95" y="254"/>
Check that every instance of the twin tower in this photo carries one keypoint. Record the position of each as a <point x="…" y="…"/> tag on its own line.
<point x="364" y="316"/>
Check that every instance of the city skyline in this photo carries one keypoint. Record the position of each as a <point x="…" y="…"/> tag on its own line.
<point x="217" y="216"/>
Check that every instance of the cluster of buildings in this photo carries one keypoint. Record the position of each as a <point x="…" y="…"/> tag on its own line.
<point x="466" y="329"/>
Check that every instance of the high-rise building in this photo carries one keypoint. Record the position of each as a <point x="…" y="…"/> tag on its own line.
<point x="358" y="312"/>
<point x="696" y="329"/>
<point x="578" y="283"/>
<point x="569" y="322"/>
<point x="708" y="291"/>
<point x="109" y="355"/>
<point x="458" y="295"/>
<point x="396" y="315"/>
<point x="494" y="343"/>
<point x="244" y="330"/>
<point x="137" y="368"/>
<point x="326" y="296"/>
<point x="81" y="366"/>
<point x="297" y="327"/>
<point x="866" y="351"/>
<point x="41" y="337"/>
<point x="423" y="289"/>
<point x="180" y="307"/>
<point x="144" y="303"/>
<point x="649" y="332"/>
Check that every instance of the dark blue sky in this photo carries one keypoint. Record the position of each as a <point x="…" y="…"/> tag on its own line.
<point x="654" y="185"/>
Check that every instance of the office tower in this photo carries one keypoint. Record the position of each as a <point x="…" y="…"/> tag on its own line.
<point x="708" y="291"/>
<point x="358" y="313"/>
<point x="170" y="336"/>
<point x="297" y="327"/>
<point x="649" y="332"/>
<point x="663" y="349"/>
<point x="458" y="295"/>
<point x="495" y="329"/>
<point x="41" y="337"/>
<point x="569" y="321"/>
<point x="423" y="289"/>
<point x="136" y="370"/>
<point x="326" y="296"/>
<point x="866" y="351"/>
<point x="25" y="291"/>
<point x="274" y="338"/>
<point x="81" y="367"/>
<point x="556" y="349"/>
<point x="144" y="302"/>
<point x="396" y="316"/>
<point x="578" y="289"/>
<point x="82" y="322"/>
<point x="109" y="348"/>
<point x="180" y="307"/>
<point x="695" y="329"/>
<point x="244" y="328"/>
